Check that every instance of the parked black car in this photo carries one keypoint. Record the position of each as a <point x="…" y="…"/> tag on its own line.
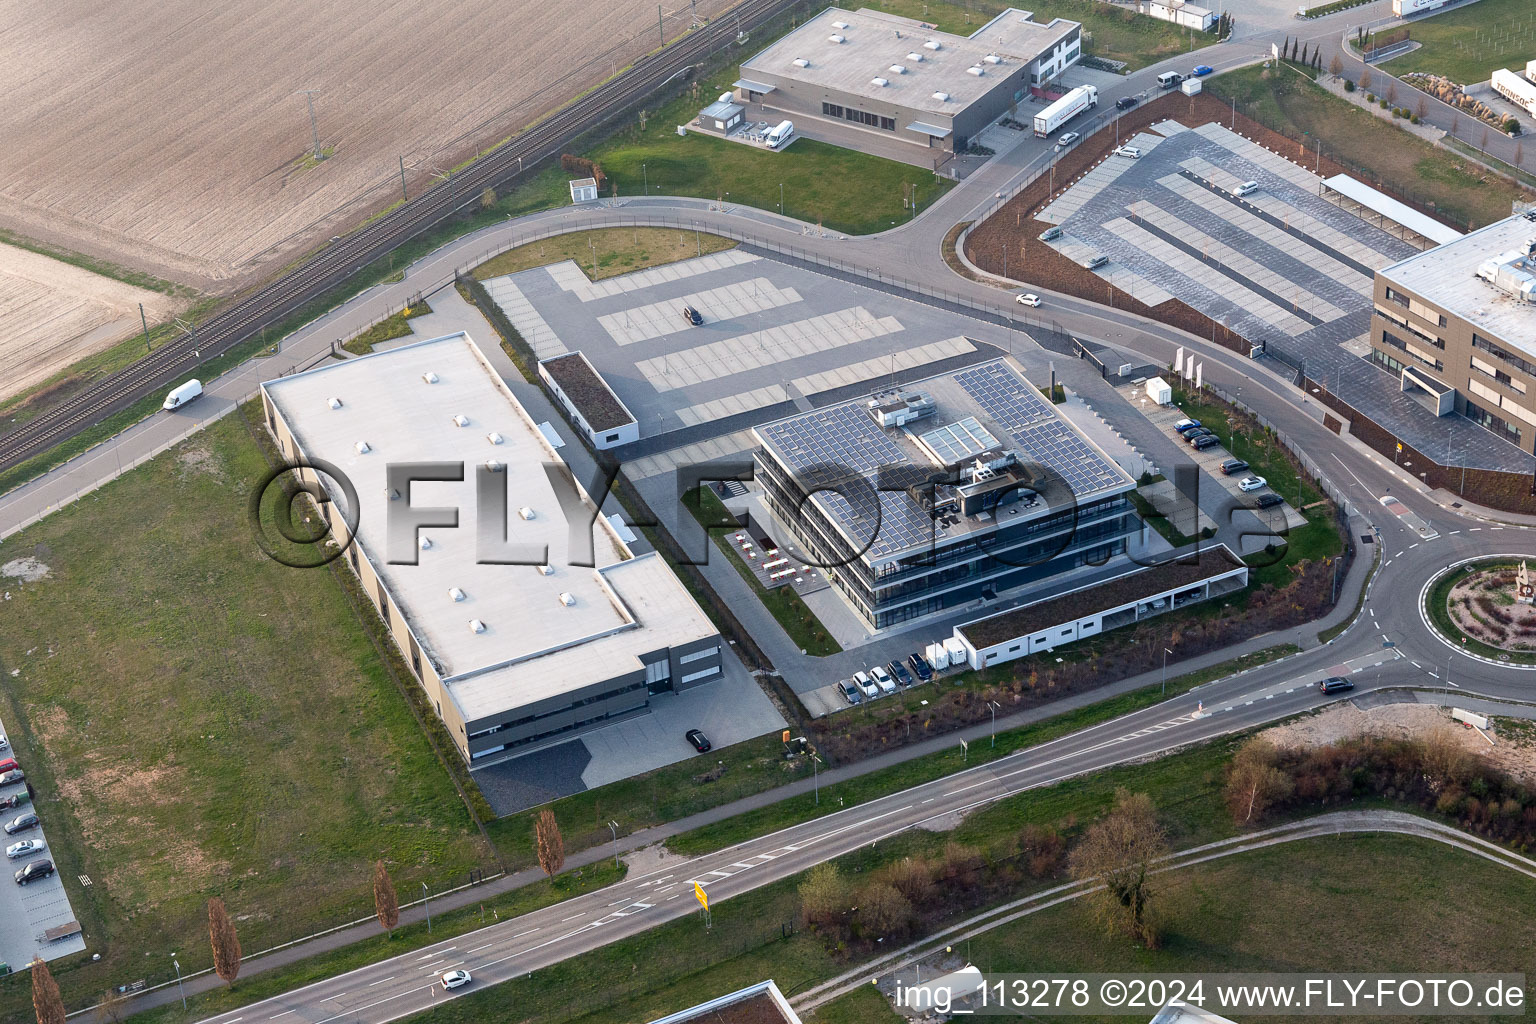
<point x="32" y="872"/>
<point x="21" y="823"/>
<point x="920" y="667"/>
<point x="1200" y="444"/>
<point x="1267" y="500"/>
<point x="900" y="673"/>
<point x="1126" y="102"/>
<point x="1233" y="466"/>
<point x="698" y="739"/>
<point x="692" y="316"/>
<point x="851" y="693"/>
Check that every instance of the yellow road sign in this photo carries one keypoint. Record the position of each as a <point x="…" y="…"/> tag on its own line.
<point x="698" y="894"/>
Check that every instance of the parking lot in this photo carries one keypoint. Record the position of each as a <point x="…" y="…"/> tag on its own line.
<point x="772" y="336"/>
<point x="1279" y="264"/>
<point x="28" y="912"/>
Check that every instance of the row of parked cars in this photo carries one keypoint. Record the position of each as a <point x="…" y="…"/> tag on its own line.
<point x="12" y="776"/>
<point x="882" y="680"/>
<point x="1200" y="438"/>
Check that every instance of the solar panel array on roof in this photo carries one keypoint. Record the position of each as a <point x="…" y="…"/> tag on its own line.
<point x="903" y="524"/>
<point x="956" y="441"/>
<point x="1036" y="430"/>
<point x="843" y="435"/>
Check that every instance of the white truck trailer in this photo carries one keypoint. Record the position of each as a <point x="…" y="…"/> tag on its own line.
<point x="1084" y="97"/>
<point x="937" y="655"/>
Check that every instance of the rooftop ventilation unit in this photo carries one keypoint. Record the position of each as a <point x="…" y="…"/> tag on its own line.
<point x="898" y="69"/>
<point x="461" y="420"/>
<point x="429" y="377"/>
<point x="933" y="44"/>
<point x="334" y="403"/>
<point x="493" y="465"/>
<point x="992" y="58"/>
<point x="1513" y="272"/>
<point x="546" y="570"/>
<point x="392" y="494"/>
<point x="363" y="447"/>
<point x="880" y="82"/>
<point x="975" y="69"/>
<point x="801" y="62"/>
<point x="567" y="599"/>
<point x="942" y="97"/>
<point x="424" y="543"/>
<point x="494" y="437"/>
<point x="456" y="593"/>
<point x="839" y="25"/>
<point x="915" y="57"/>
<point x="476" y="626"/>
<point x="836" y="39"/>
<point x="898" y="408"/>
<point x="726" y="97"/>
<point x="526" y="512"/>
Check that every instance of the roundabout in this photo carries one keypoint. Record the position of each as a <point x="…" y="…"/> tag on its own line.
<point x="1484" y="608"/>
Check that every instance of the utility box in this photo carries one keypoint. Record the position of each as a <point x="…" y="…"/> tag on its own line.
<point x="1190" y="86"/>
<point x="1159" y="391"/>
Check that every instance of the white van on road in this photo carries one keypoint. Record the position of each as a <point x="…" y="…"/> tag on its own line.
<point x="182" y="394"/>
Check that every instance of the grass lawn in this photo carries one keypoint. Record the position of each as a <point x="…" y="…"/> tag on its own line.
<point x="199" y="720"/>
<point x="1254" y="445"/>
<point x="1468" y="44"/>
<point x="1382" y="153"/>
<point x="842" y="189"/>
<point x="396" y="326"/>
<point x="1118" y="34"/>
<point x="606" y="252"/>
<point x="782" y="602"/>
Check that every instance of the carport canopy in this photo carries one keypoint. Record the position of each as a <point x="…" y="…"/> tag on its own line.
<point x="1384" y="205"/>
<point x="928" y="129"/>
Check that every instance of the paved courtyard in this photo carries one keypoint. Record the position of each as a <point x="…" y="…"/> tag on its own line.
<point x="1282" y="265"/>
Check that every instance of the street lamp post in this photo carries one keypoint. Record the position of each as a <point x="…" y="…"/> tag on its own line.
<point x="425" y="902"/>
<point x="179" y="986"/>
<point x="614" y="826"/>
<point x="816" y="777"/>
<point x="781" y="199"/>
<point x="1166" y="652"/>
<point x="992" y="706"/>
<point x="645" y="179"/>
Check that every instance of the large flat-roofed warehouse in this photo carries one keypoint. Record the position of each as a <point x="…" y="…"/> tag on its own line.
<point x="509" y="654"/>
<point x="948" y="490"/>
<point x="1458" y="325"/>
<point x="868" y="71"/>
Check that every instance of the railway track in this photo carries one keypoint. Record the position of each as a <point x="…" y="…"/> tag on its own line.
<point x="312" y="278"/>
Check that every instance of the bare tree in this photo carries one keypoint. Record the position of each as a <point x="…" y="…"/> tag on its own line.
<point x="884" y="910"/>
<point x="111" y="1006"/>
<point x="1392" y="93"/>
<point x="1365" y="77"/>
<point x="1421" y="109"/>
<point x="1118" y="853"/>
<point x="1483" y="142"/>
<point x="225" y="943"/>
<point x="1336" y="66"/>
<point x="1255" y="783"/>
<point x="46" y="1000"/>
<point x="386" y="904"/>
<point x="487" y="199"/>
<point x="551" y="844"/>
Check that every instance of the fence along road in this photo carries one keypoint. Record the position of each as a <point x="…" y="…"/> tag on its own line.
<point x="336" y="262"/>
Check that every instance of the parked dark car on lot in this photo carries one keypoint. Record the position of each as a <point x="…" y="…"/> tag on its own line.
<point x="1126" y="102"/>
<point x="1186" y="425"/>
<point x="691" y="316"/>
<point x="1335" y="684"/>
<point x="1191" y="436"/>
<point x="1268" y="500"/>
<point x="699" y="740"/>
<point x="32" y="872"/>
<point x="920" y="667"/>
<point x="1233" y="466"/>
<point x="21" y="823"/>
<point x="900" y="672"/>
<point x="1200" y="444"/>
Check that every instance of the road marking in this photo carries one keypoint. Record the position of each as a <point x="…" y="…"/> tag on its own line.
<point x="1412" y="546"/>
<point x="1416" y="664"/>
<point x="283" y="1014"/>
<point x="1398" y="555"/>
<point x="477" y="948"/>
<point x="519" y="935"/>
<point x="1474" y="529"/>
<point x="1386" y="563"/>
<point x="1269" y="696"/>
<point x="575" y="916"/>
<point x="381" y="981"/>
<point x="1249" y="704"/>
<point x="1454" y="532"/>
<point x="674" y="896"/>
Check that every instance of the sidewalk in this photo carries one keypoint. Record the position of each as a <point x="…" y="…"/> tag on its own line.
<point x="1307" y="638"/>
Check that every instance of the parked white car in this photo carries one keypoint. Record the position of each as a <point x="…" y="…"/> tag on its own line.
<point x="866" y="685"/>
<point x="1128" y="151"/>
<point x="25" y="848"/>
<point x="883" y="679"/>
<point x="1251" y="483"/>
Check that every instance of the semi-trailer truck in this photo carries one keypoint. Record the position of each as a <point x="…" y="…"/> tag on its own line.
<point x="1084" y="97"/>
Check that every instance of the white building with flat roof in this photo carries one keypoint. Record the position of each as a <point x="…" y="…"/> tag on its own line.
<point x="510" y="654"/>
